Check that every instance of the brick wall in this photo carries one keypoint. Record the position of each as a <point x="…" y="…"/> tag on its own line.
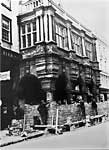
<point x="65" y="111"/>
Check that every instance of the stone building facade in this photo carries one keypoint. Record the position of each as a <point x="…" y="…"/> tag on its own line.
<point x="103" y="59"/>
<point x="9" y="59"/>
<point x="58" y="49"/>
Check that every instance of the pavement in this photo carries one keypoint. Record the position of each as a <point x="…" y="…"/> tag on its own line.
<point x="94" y="137"/>
<point x="6" y="140"/>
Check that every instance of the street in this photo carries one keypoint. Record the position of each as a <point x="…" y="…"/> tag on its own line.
<point x="91" y="137"/>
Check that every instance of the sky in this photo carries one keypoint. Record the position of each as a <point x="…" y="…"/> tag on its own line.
<point x="94" y="14"/>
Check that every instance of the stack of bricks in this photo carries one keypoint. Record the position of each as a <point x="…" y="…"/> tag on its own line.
<point x="30" y="112"/>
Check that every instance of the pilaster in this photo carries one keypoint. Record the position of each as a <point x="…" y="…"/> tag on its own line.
<point x="37" y="23"/>
<point x="83" y="42"/>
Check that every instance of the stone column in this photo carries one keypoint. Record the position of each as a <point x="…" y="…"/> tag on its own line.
<point x="45" y="26"/>
<point x="26" y="35"/>
<point x="69" y="38"/>
<point x="50" y="28"/>
<point x="83" y="44"/>
<point x="42" y="30"/>
<point x="37" y="24"/>
<point x="94" y="50"/>
<point x="32" y="35"/>
<point x="21" y="37"/>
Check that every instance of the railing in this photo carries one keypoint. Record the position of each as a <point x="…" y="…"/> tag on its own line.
<point x="29" y="6"/>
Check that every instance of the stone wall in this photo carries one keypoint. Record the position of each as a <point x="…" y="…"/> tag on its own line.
<point x="65" y="111"/>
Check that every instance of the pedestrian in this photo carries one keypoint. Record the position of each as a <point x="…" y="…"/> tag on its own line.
<point x="94" y="107"/>
<point x="19" y="113"/>
<point x="82" y="107"/>
<point x="43" y="110"/>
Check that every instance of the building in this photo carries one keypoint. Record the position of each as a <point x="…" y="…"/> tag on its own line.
<point x="58" y="50"/>
<point x="103" y="59"/>
<point x="9" y="58"/>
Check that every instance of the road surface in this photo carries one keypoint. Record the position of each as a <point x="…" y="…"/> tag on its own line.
<point x="91" y="137"/>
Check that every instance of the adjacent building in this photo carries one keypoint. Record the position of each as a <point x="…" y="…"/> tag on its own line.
<point x="58" y="50"/>
<point x="9" y="57"/>
<point x="103" y="59"/>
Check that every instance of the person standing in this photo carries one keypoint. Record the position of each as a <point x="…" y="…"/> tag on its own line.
<point x="94" y="107"/>
<point x="82" y="107"/>
<point x="43" y="110"/>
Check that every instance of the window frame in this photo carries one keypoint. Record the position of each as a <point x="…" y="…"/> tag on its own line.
<point x="61" y="38"/>
<point x="88" y="51"/>
<point x="76" y="43"/>
<point x="9" y="40"/>
<point x="31" y="32"/>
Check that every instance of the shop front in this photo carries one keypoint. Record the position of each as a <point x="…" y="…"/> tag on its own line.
<point x="9" y="74"/>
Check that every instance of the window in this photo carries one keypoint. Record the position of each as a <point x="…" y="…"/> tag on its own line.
<point x="88" y="47"/>
<point x="61" y="36"/>
<point x="28" y="34"/>
<point x="76" y="43"/>
<point x="6" y="29"/>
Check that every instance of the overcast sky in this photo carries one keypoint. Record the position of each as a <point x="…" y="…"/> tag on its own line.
<point x="94" y="14"/>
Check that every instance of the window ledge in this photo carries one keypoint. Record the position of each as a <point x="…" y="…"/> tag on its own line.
<point x="7" y="42"/>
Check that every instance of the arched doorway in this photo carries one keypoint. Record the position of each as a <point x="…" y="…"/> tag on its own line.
<point x="30" y="90"/>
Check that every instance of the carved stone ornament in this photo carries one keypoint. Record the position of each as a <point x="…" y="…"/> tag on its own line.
<point x="51" y="48"/>
<point x="40" y="49"/>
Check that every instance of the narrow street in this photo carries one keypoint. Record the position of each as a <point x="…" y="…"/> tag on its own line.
<point x="92" y="137"/>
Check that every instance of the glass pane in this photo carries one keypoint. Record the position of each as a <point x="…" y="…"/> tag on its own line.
<point x="23" y="29"/>
<point x="34" y="26"/>
<point x="24" y="41"/>
<point x="5" y="35"/>
<point x="5" y="24"/>
<point x="29" y="39"/>
<point x="29" y="27"/>
<point x="34" y="38"/>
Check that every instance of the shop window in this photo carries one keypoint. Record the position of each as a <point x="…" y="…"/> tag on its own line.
<point x="6" y="29"/>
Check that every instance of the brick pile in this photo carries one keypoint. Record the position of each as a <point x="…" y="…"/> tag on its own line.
<point x="30" y="112"/>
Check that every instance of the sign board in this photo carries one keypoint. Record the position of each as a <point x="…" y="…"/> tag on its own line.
<point x="49" y="96"/>
<point x="4" y="75"/>
<point x="0" y="102"/>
